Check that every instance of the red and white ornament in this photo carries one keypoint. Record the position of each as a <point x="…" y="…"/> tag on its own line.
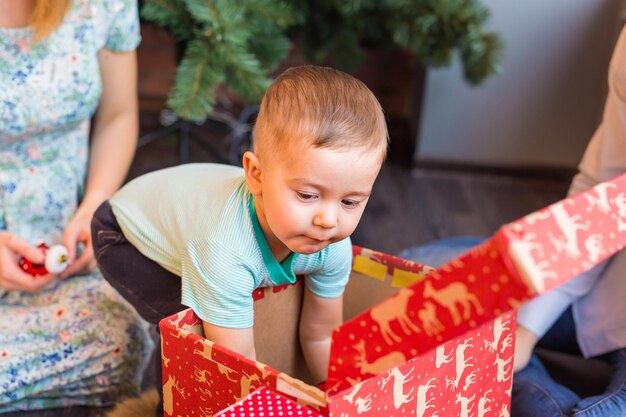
<point x="55" y="261"/>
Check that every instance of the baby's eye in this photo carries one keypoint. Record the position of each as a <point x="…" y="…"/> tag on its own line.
<point x="305" y="196"/>
<point x="350" y="203"/>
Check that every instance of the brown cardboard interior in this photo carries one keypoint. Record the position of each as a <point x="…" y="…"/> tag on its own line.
<point x="277" y="315"/>
<point x="363" y="292"/>
<point x="276" y="318"/>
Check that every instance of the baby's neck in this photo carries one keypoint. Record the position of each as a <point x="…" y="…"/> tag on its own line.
<point x="280" y="252"/>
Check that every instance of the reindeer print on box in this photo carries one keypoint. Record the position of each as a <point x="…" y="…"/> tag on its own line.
<point x="568" y="237"/>
<point x="446" y="304"/>
<point x="440" y="346"/>
<point x="462" y="377"/>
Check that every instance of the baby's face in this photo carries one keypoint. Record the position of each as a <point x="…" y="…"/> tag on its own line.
<point x="313" y="198"/>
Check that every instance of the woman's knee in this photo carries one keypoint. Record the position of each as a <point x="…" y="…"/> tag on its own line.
<point x="612" y="402"/>
<point x="531" y="399"/>
<point x="536" y="394"/>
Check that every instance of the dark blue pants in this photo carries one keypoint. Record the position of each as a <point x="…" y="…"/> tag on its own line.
<point x="537" y="394"/>
<point x="152" y="290"/>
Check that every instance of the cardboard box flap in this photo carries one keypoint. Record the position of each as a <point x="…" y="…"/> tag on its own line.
<point x="527" y="257"/>
<point x="375" y="277"/>
<point x="554" y="244"/>
<point x="462" y="295"/>
<point x="472" y="372"/>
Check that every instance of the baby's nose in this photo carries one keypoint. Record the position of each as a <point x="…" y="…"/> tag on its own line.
<point x="326" y="217"/>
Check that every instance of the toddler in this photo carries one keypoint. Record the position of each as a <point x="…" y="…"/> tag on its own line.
<point x="206" y="235"/>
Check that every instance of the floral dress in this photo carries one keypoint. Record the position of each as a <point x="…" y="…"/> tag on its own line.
<point x="77" y="342"/>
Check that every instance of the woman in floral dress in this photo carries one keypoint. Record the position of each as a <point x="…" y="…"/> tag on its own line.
<point x="67" y="339"/>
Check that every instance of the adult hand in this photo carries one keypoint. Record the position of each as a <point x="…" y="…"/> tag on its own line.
<point x="12" y="277"/>
<point x="78" y="231"/>
<point x="525" y="342"/>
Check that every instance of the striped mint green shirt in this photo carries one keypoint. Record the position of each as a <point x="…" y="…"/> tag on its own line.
<point x="197" y="221"/>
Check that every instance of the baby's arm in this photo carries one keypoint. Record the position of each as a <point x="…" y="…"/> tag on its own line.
<point x="319" y="317"/>
<point x="237" y="340"/>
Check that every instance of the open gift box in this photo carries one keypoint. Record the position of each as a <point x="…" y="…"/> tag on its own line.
<point x="416" y="341"/>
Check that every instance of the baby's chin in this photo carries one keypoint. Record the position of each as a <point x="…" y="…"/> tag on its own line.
<point x="310" y="249"/>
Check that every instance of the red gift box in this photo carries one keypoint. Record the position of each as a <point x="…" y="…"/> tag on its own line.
<point x="417" y="341"/>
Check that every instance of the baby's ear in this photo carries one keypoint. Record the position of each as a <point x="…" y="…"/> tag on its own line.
<point x="252" y="170"/>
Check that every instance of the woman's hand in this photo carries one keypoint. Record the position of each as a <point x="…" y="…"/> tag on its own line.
<point x="525" y="342"/>
<point x="78" y="231"/>
<point x="12" y="277"/>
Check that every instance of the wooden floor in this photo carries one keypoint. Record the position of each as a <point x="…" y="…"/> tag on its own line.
<point x="415" y="207"/>
<point x="407" y="208"/>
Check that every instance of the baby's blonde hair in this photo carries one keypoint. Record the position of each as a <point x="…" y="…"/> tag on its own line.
<point x="319" y="107"/>
<point x="47" y="16"/>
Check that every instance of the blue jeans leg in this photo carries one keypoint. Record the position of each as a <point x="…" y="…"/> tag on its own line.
<point x="536" y="394"/>
<point x="612" y="402"/>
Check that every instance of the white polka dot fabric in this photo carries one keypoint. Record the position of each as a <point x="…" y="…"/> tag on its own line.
<point x="265" y="403"/>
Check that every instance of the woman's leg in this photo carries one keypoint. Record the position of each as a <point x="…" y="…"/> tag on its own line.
<point x="534" y="389"/>
<point x="536" y="394"/>
<point x="75" y="343"/>
<point x="612" y="402"/>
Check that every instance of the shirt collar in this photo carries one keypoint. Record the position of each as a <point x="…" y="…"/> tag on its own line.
<point x="280" y="272"/>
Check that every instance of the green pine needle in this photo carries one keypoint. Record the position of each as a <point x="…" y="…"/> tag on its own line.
<point x="240" y="42"/>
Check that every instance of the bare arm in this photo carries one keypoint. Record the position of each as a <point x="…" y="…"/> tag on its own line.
<point x="113" y="145"/>
<point x="525" y="342"/>
<point x="237" y="340"/>
<point x="319" y="317"/>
